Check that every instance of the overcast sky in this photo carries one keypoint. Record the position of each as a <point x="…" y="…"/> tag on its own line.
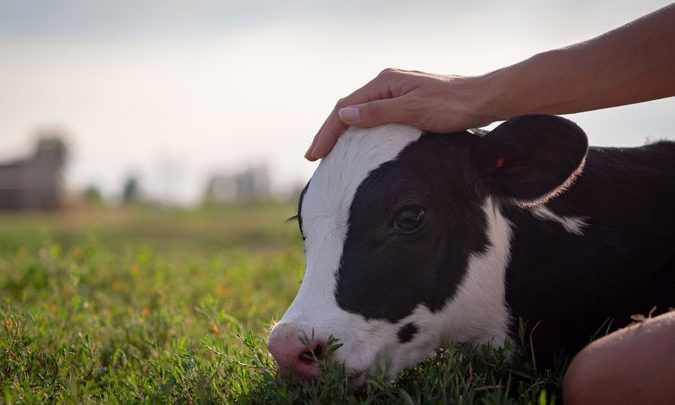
<point x="176" y="90"/>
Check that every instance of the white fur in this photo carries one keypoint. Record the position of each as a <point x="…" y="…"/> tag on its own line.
<point x="478" y="313"/>
<point x="573" y="225"/>
<point x="325" y="214"/>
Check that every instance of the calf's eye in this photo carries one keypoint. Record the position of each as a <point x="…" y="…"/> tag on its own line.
<point x="409" y="219"/>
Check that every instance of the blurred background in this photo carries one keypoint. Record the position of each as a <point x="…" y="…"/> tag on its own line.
<point x="151" y="151"/>
<point x="179" y="102"/>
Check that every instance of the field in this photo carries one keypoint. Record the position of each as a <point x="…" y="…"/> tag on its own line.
<point x="158" y="305"/>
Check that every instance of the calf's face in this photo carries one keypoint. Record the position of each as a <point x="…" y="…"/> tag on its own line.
<point x="405" y="247"/>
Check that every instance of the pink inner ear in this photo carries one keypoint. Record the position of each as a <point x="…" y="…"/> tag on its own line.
<point x="499" y="163"/>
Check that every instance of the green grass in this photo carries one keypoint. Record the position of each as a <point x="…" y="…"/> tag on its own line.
<point x="172" y="306"/>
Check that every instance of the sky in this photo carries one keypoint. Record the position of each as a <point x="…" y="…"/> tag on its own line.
<point x="174" y="91"/>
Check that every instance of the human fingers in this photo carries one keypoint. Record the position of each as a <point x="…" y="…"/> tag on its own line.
<point x="377" y="112"/>
<point x="325" y="139"/>
<point x="366" y="115"/>
<point x="378" y="88"/>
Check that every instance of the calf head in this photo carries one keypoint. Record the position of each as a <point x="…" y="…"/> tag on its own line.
<point x="405" y="246"/>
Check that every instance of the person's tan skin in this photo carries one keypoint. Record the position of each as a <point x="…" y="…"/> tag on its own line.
<point x="631" y="64"/>
<point x="627" y="65"/>
<point x="634" y="365"/>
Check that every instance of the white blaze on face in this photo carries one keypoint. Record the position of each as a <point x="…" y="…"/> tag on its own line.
<point x="325" y="215"/>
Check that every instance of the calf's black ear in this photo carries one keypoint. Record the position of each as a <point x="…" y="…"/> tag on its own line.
<point x="531" y="158"/>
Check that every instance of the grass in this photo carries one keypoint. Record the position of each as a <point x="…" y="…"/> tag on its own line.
<point x="147" y="305"/>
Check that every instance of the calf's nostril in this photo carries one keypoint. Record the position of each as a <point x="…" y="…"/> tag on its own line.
<point x="318" y="351"/>
<point x="313" y="354"/>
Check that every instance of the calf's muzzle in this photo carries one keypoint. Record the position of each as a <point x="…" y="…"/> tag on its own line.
<point x="297" y="355"/>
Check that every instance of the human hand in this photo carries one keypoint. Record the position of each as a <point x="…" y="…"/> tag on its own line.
<point x="426" y="101"/>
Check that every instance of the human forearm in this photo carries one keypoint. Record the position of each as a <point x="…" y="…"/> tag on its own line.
<point x="633" y="63"/>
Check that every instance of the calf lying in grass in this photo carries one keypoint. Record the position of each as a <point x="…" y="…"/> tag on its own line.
<point x="413" y="240"/>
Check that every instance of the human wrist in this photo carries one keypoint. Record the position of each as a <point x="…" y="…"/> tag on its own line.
<point x="517" y="89"/>
<point x="488" y="97"/>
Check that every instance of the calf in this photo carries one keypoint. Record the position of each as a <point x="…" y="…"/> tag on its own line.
<point x="415" y="239"/>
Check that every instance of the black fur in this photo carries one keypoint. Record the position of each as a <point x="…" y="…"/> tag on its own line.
<point x="299" y="216"/>
<point x="569" y="287"/>
<point x="538" y="152"/>
<point x="407" y="332"/>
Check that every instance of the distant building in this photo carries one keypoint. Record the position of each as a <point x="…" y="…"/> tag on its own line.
<point x="37" y="181"/>
<point x="247" y="185"/>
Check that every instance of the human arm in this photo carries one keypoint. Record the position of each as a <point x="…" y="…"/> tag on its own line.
<point x="630" y="64"/>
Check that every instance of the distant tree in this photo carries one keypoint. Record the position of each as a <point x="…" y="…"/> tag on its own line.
<point x="92" y="195"/>
<point x="131" y="191"/>
<point x="219" y="188"/>
<point x="46" y="168"/>
<point x="253" y="184"/>
<point x="51" y="148"/>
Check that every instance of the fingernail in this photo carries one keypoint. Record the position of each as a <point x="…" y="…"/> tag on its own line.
<point x="312" y="154"/>
<point x="349" y="114"/>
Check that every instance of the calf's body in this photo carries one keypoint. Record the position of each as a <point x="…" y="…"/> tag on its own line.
<point x="414" y="240"/>
<point x="619" y="260"/>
